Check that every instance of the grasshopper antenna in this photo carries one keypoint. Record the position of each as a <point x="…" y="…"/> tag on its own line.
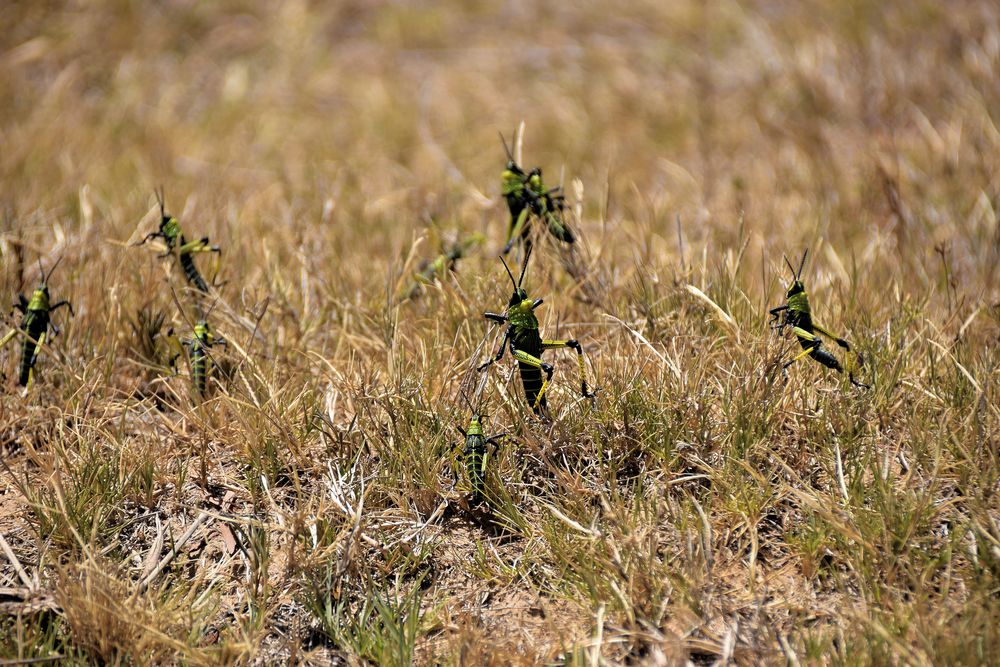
<point x="51" y="271"/>
<point x="524" y="267"/>
<point x="211" y="308"/>
<point x="790" y="267"/>
<point x="506" y="148"/>
<point x="802" y="263"/>
<point x="508" y="272"/>
<point x="200" y="310"/>
<point x="467" y="401"/>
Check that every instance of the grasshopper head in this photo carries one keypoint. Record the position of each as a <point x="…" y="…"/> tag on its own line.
<point x="475" y="424"/>
<point x="512" y="178"/>
<point x="39" y="298"/>
<point x="797" y="287"/>
<point x="512" y="170"/>
<point x="168" y="223"/>
<point x="518" y="299"/>
<point x="535" y="179"/>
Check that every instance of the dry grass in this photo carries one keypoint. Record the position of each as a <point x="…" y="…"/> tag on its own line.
<point x="705" y="510"/>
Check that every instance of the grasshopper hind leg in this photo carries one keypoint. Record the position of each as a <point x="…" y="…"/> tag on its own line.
<point x="828" y="360"/>
<point x="825" y="358"/>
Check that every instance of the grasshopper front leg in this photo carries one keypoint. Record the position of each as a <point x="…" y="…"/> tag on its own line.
<point x="494" y="440"/>
<point x="151" y="235"/>
<point x="7" y="338"/>
<point x="776" y="322"/>
<point x="64" y="303"/>
<point x="503" y="343"/>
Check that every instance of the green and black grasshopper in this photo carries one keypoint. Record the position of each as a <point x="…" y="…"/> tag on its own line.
<point x="170" y="232"/>
<point x="527" y="345"/>
<point x="476" y="453"/>
<point x="201" y="360"/>
<point x="199" y="356"/>
<point x="430" y="270"/>
<point x="526" y="195"/>
<point x="797" y="315"/>
<point x="35" y="324"/>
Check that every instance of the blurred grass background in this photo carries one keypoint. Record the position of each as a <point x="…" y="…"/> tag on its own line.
<point x="705" y="510"/>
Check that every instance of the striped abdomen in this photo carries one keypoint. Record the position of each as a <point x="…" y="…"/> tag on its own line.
<point x="528" y="340"/>
<point x="35" y="324"/>
<point x="191" y="271"/>
<point x="475" y="462"/>
<point x="199" y="367"/>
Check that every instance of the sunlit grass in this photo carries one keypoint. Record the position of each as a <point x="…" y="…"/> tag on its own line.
<point x="706" y="508"/>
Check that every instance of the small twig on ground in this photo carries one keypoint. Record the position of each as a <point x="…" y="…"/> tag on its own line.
<point x="173" y="552"/>
<point x="16" y="563"/>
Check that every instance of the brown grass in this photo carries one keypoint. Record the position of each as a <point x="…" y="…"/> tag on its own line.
<point x="707" y="510"/>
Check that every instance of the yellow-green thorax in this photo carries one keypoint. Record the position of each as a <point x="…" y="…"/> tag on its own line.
<point x="203" y="332"/>
<point x="171" y="229"/>
<point x="40" y="299"/>
<point x="475" y="426"/>
<point x="798" y="300"/>
<point x="521" y="314"/>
